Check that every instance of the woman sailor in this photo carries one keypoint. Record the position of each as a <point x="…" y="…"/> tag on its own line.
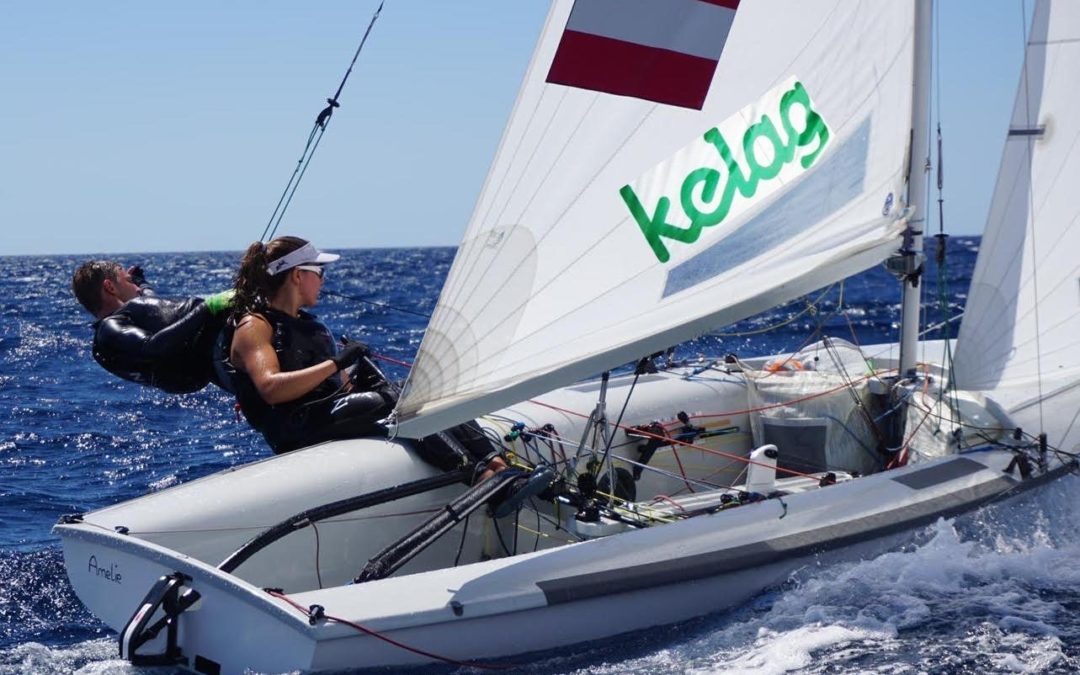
<point x="288" y="373"/>
<point x="286" y="368"/>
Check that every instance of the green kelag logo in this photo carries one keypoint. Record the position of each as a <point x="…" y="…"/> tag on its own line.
<point x="771" y="154"/>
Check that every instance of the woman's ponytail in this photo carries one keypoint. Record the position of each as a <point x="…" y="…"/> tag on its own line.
<point x="254" y="285"/>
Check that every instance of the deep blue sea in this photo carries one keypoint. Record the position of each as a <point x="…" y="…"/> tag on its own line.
<point x="996" y="591"/>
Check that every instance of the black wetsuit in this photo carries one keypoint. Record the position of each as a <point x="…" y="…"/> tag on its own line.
<point x="324" y="413"/>
<point x="167" y="344"/>
<point x="327" y="412"/>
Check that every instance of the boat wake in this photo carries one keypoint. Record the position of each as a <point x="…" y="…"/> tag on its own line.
<point x="994" y="591"/>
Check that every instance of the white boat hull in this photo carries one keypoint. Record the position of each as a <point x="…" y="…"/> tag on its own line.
<point x="578" y="592"/>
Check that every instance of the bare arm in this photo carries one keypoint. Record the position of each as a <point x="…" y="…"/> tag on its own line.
<point x="253" y="353"/>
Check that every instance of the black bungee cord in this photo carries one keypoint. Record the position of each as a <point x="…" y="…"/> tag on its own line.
<point x="314" y="137"/>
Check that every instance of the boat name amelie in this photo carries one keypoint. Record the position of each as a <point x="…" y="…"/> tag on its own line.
<point x="110" y="573"/>
<point x="706" y="180"/>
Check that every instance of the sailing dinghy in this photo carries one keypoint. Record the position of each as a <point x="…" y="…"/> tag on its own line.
<point x="668" y="169"/>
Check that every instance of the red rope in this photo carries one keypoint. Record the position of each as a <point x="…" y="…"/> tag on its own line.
<point x="674" y="441"/>
<point x="682" y="471"/>
<point x="846" y="385"/>
<point x="390" y="640"/>
<point x="389" y="359"/>
<point x="901" y="457"/>
<point x="665" y="498"/>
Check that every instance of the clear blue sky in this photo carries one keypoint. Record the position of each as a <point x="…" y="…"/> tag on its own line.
<point x="145" y="126"/>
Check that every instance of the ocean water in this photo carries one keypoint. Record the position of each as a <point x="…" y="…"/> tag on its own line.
<point x="994" y="591"/>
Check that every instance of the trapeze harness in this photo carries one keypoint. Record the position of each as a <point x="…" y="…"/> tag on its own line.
<point x="167" y="344"/>
<point x="327" y="412"/>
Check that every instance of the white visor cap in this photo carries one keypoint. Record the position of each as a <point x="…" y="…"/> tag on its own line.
<point x="305" y="255"/>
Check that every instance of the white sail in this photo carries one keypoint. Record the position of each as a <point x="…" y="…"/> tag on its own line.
<point x="1020" y="336"/>
<point x="613" y="225"/>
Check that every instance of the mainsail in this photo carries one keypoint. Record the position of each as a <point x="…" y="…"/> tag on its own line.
<point x="614" y="225"/>
<point x="1020" y="336"/>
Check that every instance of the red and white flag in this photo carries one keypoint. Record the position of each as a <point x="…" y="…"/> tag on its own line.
<point x="659" y="50"/>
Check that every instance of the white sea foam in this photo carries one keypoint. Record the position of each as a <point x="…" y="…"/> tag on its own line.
<point x="950" y="600"/>
<point x="93" y="657"/>
<point x="773" y="653"/>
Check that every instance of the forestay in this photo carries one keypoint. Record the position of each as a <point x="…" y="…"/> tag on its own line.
<point x="654" y="182"/>
<point x="1020" y="337"/>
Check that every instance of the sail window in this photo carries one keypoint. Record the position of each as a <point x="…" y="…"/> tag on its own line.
<point x="800" y="441"/>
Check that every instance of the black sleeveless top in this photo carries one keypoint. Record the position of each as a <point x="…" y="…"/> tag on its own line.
<point x="299" y="342"/>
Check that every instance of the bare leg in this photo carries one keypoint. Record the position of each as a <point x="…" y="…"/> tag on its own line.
<point x="493" y="467"/>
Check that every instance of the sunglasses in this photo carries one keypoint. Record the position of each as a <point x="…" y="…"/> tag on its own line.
<point x="317" y="269"/>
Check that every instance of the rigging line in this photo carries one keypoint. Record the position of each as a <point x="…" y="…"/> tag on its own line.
<point x="940" y="259"/>
<point x="618" y="422"/>
<point x="543" y="535"/>
<point x="383" y="305"/>
<point x="817" y="332"/>
<point x="709" y="480"/>
<point x="461" y="545"/>
<point x="681" y="477"/>
<point x="937" y="61"/>
<point x="390" y="359"/>
<point x="321" y="120"/>
<point x="386" y="638"/>
<point x="770" y="406"/>
<point x="830" y="349"/>
<point x="302" y="167"/>
<point x="288" y="185"/>
<point x="1031" y="218"/>
<point x="941" y="256"/>
<point x="834" y="354"/>
<point x="938" y="326"/>
<point x="810" y="306"/>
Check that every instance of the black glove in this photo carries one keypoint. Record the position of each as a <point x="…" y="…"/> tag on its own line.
<point x="137" y="276"/>
<point x="350" y="353"/>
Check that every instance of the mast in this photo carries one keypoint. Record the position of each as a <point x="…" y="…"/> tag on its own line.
<point x="908" y="265"/>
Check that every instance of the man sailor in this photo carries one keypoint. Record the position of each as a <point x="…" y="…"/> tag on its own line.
<point x="143" y="338"/>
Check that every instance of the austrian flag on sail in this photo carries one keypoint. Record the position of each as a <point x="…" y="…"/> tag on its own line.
<point x="659" y="50"/>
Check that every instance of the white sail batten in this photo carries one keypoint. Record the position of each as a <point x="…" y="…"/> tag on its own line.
<point x="623" y="214"/>
<point x="1020" y="336"/>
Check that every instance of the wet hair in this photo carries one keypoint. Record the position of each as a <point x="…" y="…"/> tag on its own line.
<point x="254" y="285"/>
<point x="87" y="281"/>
